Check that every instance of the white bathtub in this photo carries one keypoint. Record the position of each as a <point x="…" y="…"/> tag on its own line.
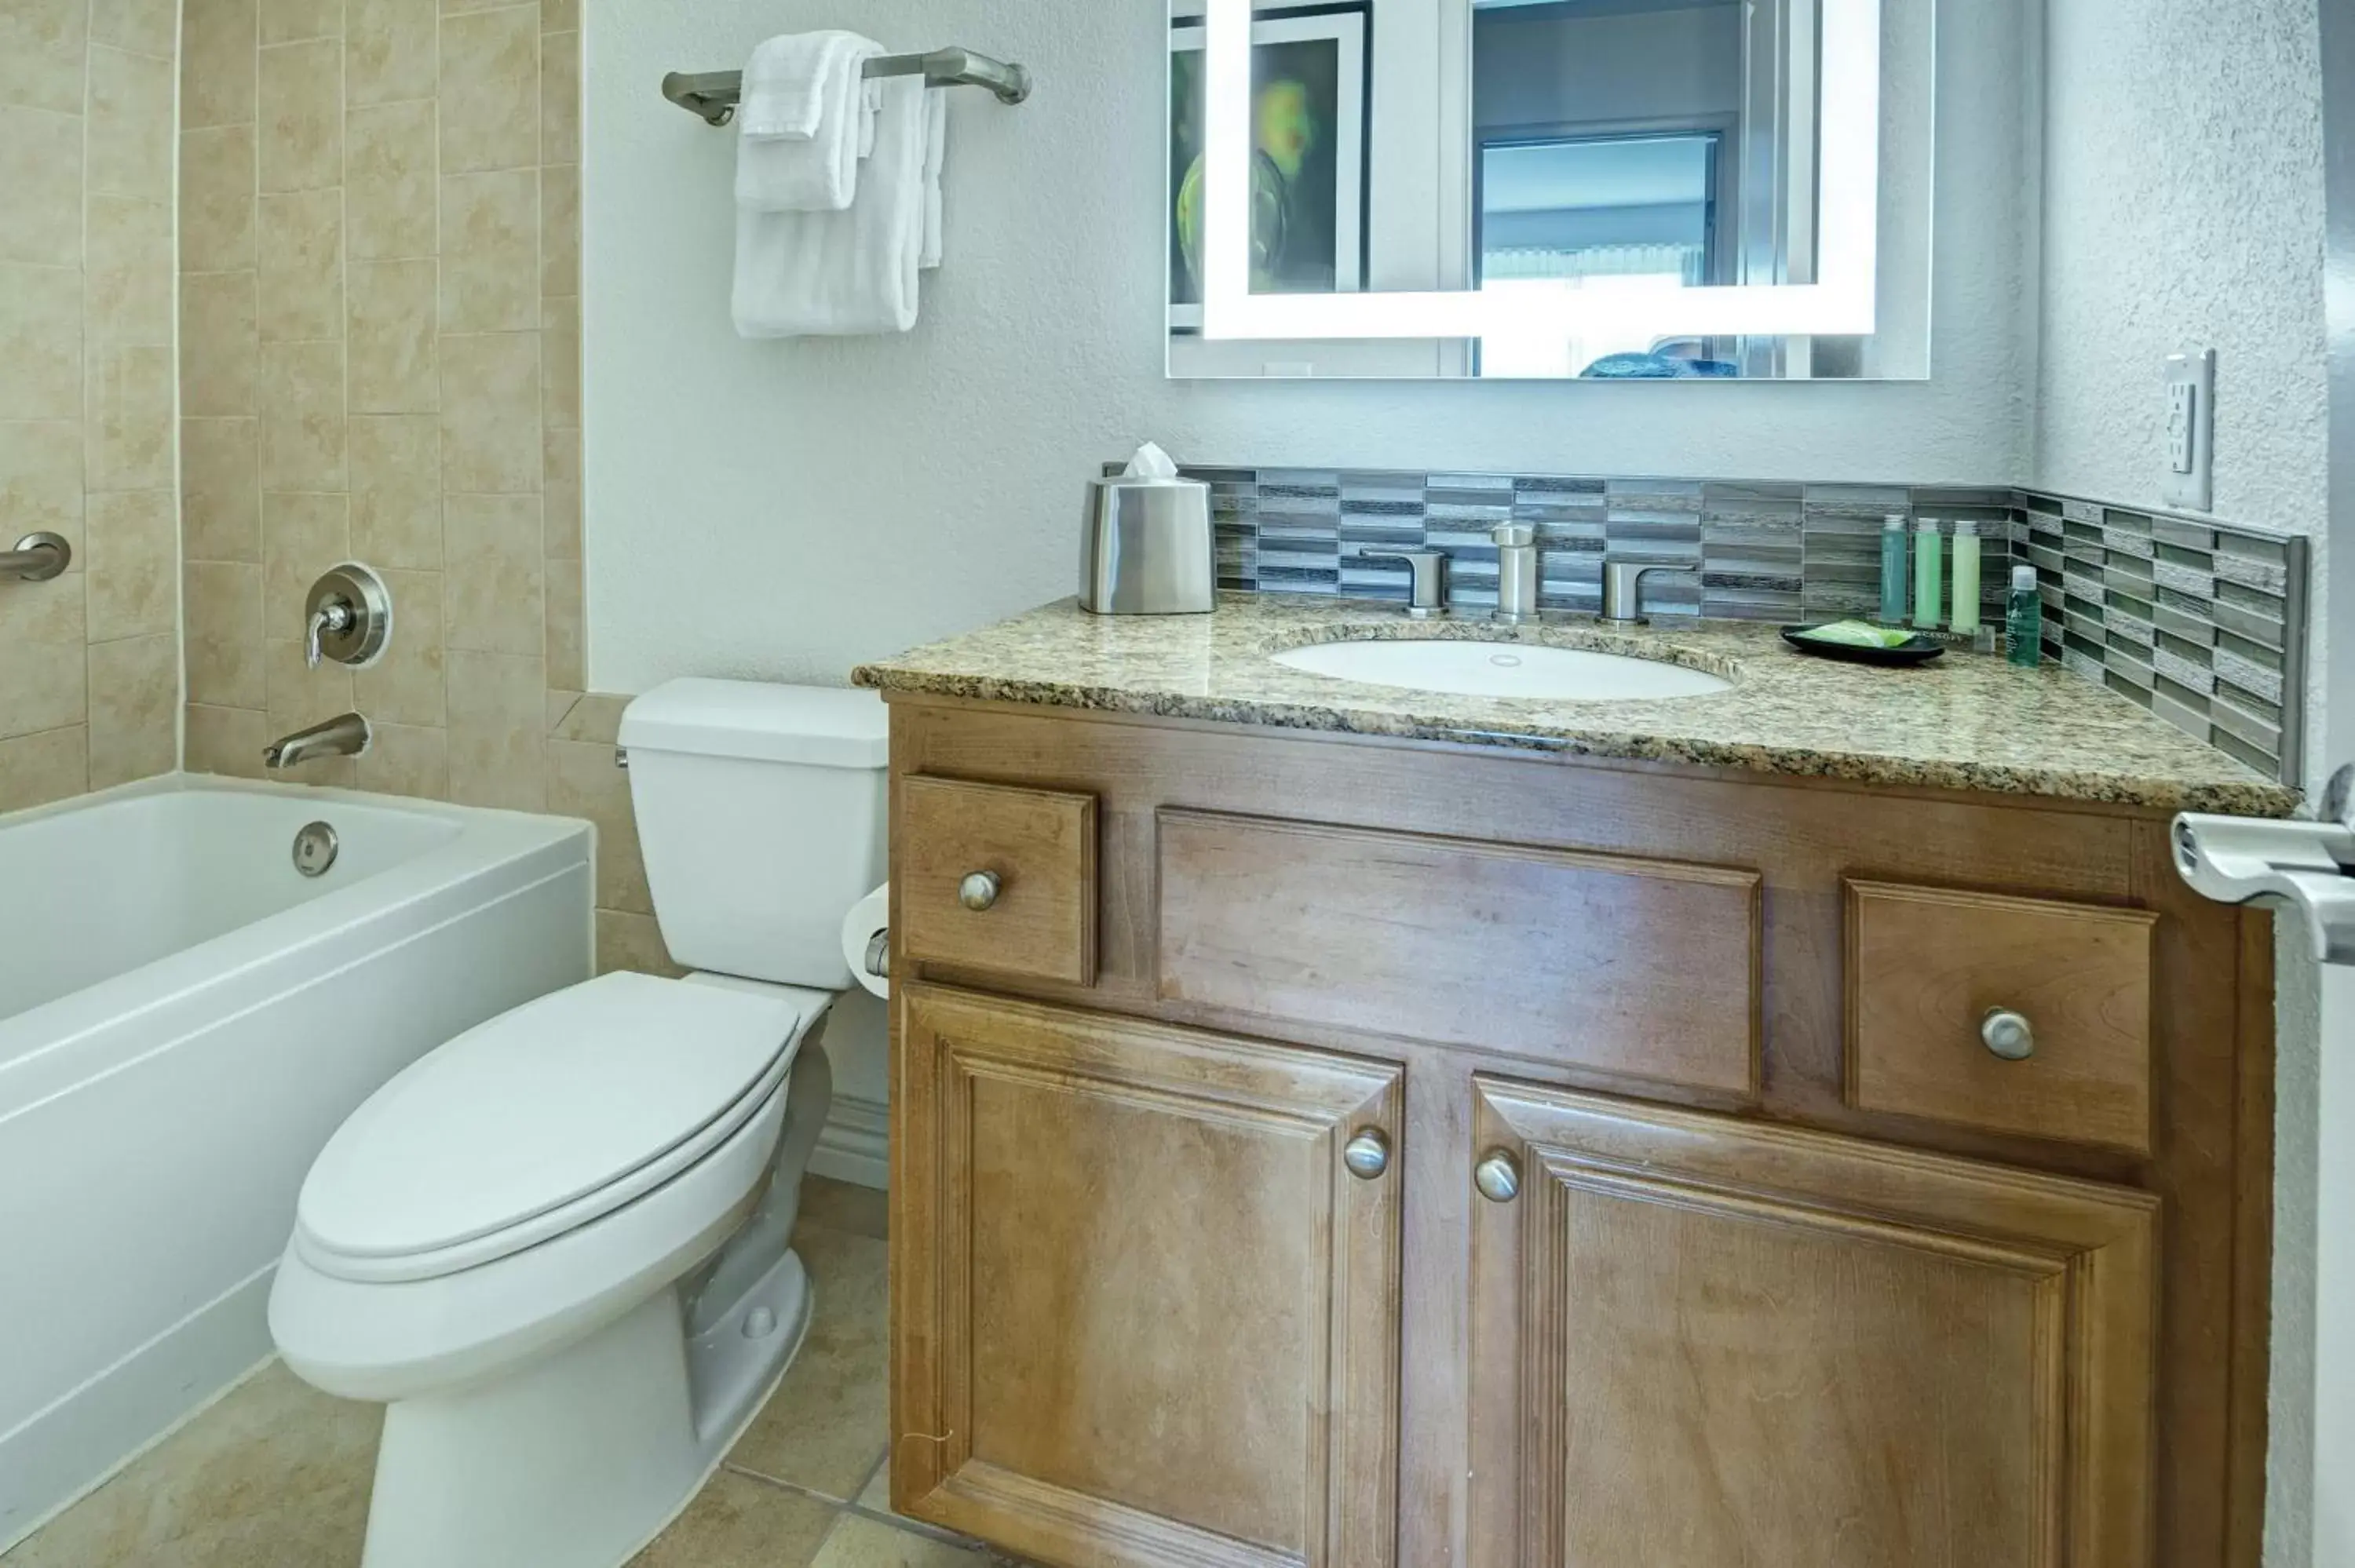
<point x="184" y="1019"/>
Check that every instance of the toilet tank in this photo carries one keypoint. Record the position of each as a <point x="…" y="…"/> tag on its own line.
<point x="760" y="811"/>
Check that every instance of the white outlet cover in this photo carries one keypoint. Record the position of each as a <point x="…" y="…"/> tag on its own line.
<point x="2190" y="479"/>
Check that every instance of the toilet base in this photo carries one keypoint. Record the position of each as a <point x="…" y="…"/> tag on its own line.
<point x="580" y="1458"/>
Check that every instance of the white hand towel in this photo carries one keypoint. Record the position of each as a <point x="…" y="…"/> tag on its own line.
<point x="936" y="152"/>
<point x="800" y="122"/>
<point x="833" y="274"/>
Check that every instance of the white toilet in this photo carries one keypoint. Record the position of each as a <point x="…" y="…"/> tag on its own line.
<point x="554" y="1248"/>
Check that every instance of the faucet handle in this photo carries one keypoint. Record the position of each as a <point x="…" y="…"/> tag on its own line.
<point x="1623" y="589"/>
<point x="1426" y="579"/>
<point x="331" y="618"/>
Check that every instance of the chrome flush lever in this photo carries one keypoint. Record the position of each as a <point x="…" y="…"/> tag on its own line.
<point x="2239" y="860"/>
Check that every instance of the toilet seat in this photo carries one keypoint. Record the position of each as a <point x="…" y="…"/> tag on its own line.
<point x="542" y="1121"/>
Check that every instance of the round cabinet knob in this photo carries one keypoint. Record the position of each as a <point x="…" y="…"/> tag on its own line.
<point x="978" y="891"/>
<point x="1498" y="1177"/>
<point x="1367" y="1155"/>
<point x="2007" y="1035"/>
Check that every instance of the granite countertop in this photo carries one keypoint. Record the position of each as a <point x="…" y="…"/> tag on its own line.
<point x="1967" y="722"/>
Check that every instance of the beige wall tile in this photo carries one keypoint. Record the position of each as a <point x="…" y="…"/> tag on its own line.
<point x="559" y="702"/>
<point x="35" y="769"/>
<point x="127" y="287"/>
<point x="389" y="52"/>
<point x="490" y="413"/>
<point x="134" y="705"/>
<point x="396" y="491"/>
<point x="217" y="203"/>
<point x="220" y="344"/>
<point x="633" y="942"/>
<point x="567" y="658"/>
<point x="490" y="90"/>
<point x="221" y="489"/>
<point x="300" y="240"/>
<point x="40" y="168"/>
<point x="394" y="366"/>
<point x="390" y="204"/>
<point x="559" y="16"/>
<point x="227" y="741"/>
<point x="217" y="62"/>
<point x="559" y="230"/>
<point x="131" y="127"/>
<point x="302" y="537"/>
<point x="128" y="441"/>
<point x="297" y="21"/>
<point x="490" y="251"/>
<point x="406" y="685"/>
<point x="582" y="781"/>
<point x="225" y="635"/>
<point x="302" y="115"/>
<point x="407" y="759"/>
<point x="135" y="565"/>
<point x="46" y="687"/>
<point x="40" y="477"/>
<point x="40" y="342"/>
<point x="596" y="717"/>
<point x="142" y="26"/>
<point x="559" y="355"/>
<point x="493" y="589"/>
<point x="497" y="752"/>
<point x="559" y="97"/>
<point x="303" y="416"/>
<point x="52" y="612"/>
<point x="560" y="495"/>
<point x="41" y="45"/>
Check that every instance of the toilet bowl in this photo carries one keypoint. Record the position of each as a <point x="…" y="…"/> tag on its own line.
<point x="556" y="1249"/>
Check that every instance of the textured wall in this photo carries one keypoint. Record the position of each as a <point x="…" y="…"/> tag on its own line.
<point x="90" y="665"/>
<point x="783" y="509"/>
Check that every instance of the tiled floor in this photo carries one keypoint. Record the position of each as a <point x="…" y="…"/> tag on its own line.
<point x="276" y="1475"/>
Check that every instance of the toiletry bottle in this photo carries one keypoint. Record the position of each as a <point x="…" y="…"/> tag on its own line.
<point x="1893" y="570"/>
<point x="2023" y="619"/>
<point x="1929" y="575"/>
<point x="1965" y="623"/>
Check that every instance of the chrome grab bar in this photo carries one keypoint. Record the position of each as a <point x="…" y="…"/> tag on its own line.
<point x="37" y="559"/>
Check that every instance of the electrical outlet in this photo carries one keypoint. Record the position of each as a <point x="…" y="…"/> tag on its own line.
<point x="2191" y="432"/>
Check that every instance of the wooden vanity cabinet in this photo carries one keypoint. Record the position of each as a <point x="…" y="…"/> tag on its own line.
<point x="1451" y="1158"/>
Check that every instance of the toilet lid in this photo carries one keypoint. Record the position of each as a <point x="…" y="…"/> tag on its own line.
<point x="590" y="1094"/>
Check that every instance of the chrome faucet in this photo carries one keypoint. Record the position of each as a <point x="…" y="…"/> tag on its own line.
<point x="1623" y="591"/>
<point x="347" y="734"/>
<point x="1426" y="579"/>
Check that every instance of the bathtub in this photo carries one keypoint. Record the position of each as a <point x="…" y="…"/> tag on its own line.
<point x="184" y="1018"/>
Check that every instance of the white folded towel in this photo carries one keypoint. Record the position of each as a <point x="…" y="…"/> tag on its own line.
<point x="936" y="152"/>
<point x="801" y="121"/>
<point x="832" y="274"/>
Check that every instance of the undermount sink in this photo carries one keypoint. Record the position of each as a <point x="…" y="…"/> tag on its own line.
<point x="1503" y="669"/>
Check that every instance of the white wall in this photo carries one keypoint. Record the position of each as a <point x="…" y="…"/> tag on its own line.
<point x="787" y="509"/>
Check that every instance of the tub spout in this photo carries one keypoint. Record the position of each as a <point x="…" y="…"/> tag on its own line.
<point x="346" y="735"/>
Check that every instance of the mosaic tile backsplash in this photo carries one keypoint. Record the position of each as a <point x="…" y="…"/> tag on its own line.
<point x="2200" y="623"/>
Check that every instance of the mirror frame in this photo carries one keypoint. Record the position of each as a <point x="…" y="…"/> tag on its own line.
<point x="1842" y="302"/>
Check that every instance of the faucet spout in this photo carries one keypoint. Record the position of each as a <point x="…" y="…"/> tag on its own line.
<point x="347" y="735"/>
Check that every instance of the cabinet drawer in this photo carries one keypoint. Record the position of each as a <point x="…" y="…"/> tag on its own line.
<point x="1635" y="967"/>
<point x="1039" y="847"/>
<point x="1927" y="966"/>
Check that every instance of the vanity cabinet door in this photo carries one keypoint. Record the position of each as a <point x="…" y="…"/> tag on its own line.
<point x="1144" y="1289"/>
<point x="1703" y="1340"/>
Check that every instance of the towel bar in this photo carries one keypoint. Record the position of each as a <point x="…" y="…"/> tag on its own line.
<point x="713" y="94"/>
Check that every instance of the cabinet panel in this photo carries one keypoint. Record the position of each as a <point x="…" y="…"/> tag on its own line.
<point x="1702" y="1340"/>
<point x="1638" y="968"/>
<point x="1143" y="1312"/>
<point x="1039" y="846"/>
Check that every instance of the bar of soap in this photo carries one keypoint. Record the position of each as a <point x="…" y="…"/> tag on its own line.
<point x="1858" y="634"/>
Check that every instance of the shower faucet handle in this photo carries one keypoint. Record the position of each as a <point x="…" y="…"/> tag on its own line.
<point x="348" y="617"/>
<point x="333" y="617"/>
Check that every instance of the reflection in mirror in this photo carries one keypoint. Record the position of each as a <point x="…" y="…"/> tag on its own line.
<point x="1604" y="189"/>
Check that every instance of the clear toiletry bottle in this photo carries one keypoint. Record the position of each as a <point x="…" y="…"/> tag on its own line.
<point x="1966" y="621"/>
<point x="2023" y="620"/>
<point x="1893" y="570"/>
<point x="1929" y="574"/>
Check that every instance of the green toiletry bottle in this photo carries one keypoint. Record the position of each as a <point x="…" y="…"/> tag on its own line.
<point x="1929" y="575"/>
<point x="1966" y="621"/>
<point x="1893" y="570"/>
<point x="2023" y="620"/>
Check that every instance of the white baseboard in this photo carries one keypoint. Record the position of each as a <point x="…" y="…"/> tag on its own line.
<point x="855" y="1145"/>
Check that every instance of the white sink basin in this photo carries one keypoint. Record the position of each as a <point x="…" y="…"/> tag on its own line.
<point x="1503" y="669"/>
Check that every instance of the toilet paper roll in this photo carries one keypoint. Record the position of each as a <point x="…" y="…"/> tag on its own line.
<point x="868" y="918"/>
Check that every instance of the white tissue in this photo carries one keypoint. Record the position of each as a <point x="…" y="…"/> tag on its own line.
<point x="1151" y="462"/>
<point x="868" y="918"/>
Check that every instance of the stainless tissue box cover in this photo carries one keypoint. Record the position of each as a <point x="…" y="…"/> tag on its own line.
<point x="1147" y="548"/>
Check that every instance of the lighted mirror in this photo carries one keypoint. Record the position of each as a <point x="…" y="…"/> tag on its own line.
<point x="1706" y="190"/>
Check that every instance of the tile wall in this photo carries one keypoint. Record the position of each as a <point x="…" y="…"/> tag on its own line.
<point x="90" y="666"/>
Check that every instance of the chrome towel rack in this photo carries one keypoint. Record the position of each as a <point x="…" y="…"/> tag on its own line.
<point x="37" y="559"/>
<point x="714" y="94"/>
